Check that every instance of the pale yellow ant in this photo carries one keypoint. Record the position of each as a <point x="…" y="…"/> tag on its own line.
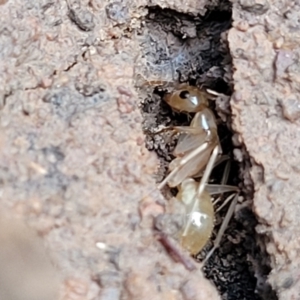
<point x="197" y="152"/>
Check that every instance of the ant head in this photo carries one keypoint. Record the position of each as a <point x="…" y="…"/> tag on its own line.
<point x="187" y="98"/>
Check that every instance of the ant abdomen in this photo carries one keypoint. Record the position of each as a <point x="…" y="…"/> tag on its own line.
<point x="202" y="217"/>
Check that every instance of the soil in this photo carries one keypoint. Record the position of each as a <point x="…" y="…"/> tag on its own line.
<point x="81" y="80"/>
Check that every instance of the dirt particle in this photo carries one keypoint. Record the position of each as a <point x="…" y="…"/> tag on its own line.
<point x="236" y="140"/>
<point x="140" y="141"/>
<point x="108" y="279"/>
<point x="177" y="252"/>
<point x="290" y="109"/>
<point x="257" y="7"/>
<point x="28" y="108"/>
<point x="88" y="84"/>
<point x="150" y="208"/>
<point x="124" y="91"/>
<point x="242" y="26"/>
<point x="189" y="31"/>
<point x="46" y="82"/>
<point x="53" y="154"/>
<point x="238" y="155"/>
<point x="237" y="97"/>
<point x="118" y="12"/>
<point x="75" y="287"/>
<point x="83" y="18"/>
<point x="125" y="105"/>
<point x="283" y="60"/>
<point x="287" y="283"/>
<point x="293" y="72"/>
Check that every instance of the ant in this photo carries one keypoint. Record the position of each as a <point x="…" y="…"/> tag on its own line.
<point x="197" y="152"/>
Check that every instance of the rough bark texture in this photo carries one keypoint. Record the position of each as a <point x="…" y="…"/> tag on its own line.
<point x="264" y="43"/>
<point x="73" y="160"/>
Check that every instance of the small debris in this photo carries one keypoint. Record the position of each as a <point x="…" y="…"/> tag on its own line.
<point x="83" y="18"/>
<point x="118" y="12"/>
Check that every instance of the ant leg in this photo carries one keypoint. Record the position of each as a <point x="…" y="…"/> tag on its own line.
<point x="222" y="229"/>
<point x="182" y="162"/>
<point x="223" y="188"/>
<point x="217" y="189"/>
<point x="226" y="173"/>
<point x="223" y="181"/>
<point x="229" y="198"/>
<point x="213" y="93"/>
<point x="202" y="185"/>
<point x="207" y="173"/>
<point x="219" y="160"/>
<point x="177" y="129"/>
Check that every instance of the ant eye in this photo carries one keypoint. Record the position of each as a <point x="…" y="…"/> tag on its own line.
<point x="184" y="94"/>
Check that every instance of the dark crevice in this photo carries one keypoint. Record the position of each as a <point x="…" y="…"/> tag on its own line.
<point x="192" y="47"/>
<point x="70" y="66"/>
<point x="4" y="100"/>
